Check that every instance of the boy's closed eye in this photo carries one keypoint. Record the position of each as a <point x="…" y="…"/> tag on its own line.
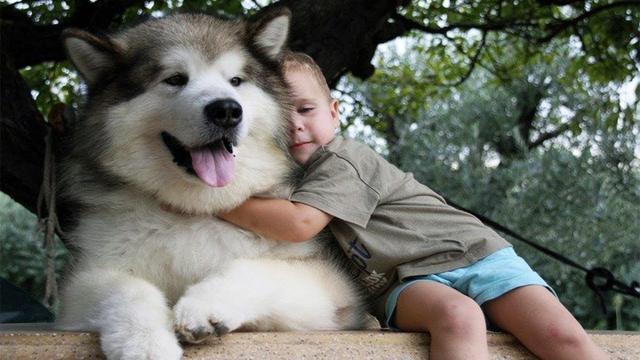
<point x="305" y="109"/>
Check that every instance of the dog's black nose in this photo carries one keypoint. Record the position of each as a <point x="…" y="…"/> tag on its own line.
<point x="226" y="113"/>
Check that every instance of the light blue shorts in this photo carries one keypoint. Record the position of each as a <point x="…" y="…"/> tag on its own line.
<point x="484" y="280"/>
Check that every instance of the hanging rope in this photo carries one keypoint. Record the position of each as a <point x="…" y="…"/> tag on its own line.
<point x="598" y="279"/>
<point x="47" y="217"/>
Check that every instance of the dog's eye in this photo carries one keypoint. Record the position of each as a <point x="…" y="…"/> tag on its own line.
<point x="177" y="80"/>
<point x="236" y="81"/>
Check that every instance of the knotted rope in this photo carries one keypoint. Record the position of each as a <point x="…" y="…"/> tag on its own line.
<point x="46" y="207"/>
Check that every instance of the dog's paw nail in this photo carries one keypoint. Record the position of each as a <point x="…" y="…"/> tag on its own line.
<point x="193" y="335"/>
<point x="220" y="329"/>
<point x="201" y="333"/>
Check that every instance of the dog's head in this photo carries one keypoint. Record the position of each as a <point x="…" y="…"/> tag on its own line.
<point x="190" y="109"/>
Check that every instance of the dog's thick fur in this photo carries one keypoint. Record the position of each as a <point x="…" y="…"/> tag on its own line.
<point x="152" y="261"/>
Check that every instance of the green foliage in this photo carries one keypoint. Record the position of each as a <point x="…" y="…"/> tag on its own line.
<point x="55" y="12"/>
<point x="602" y="40"/>
<point x="52" y="83"/>
<point x="23" y="259"/>
<point x="580" y="206"/>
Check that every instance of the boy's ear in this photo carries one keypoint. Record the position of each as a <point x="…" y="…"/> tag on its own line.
<point x="94" y="57"/>
<point x="334" y="108"/>
<point x="269" y="31"/>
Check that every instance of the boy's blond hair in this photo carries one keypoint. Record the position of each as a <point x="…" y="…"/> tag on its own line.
<point x="297" y="61"/>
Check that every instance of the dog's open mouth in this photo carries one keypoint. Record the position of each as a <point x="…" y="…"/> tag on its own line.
<point x="213" y="163"/>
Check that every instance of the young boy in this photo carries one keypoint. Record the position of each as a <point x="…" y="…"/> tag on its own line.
<point x="428" y="266"/>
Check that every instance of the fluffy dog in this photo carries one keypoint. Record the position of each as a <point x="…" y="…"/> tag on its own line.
<point x="187" y="113"/>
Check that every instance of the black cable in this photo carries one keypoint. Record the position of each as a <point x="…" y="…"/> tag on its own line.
<point x="598" y="279"/>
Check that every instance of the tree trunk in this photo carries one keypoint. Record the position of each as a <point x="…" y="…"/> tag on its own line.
<point x="341" y="36"/>
<point x="22" y="132"/>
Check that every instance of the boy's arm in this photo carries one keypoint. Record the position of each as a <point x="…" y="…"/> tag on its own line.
<point x="278" y="219"/>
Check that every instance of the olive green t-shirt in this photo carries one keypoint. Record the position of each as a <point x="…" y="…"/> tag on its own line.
<point x="388" y="224"/>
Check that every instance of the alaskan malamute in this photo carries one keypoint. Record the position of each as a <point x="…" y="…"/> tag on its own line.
<point x="185" y="116"/>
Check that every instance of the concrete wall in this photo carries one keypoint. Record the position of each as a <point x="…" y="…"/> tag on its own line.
<point x="29" y="343"/>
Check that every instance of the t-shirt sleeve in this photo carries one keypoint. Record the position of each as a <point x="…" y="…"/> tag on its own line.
<point x="334" y="186"/>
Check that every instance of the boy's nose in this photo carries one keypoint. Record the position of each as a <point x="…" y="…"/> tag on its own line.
<point x="296" y="124"/>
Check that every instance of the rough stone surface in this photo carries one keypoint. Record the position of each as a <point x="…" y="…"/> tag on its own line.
<point x="31" y="343"/>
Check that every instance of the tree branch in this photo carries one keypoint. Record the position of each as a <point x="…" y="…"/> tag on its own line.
<point x="474" y="61"/>
<point x="410" y="24"/>
<point x="405" y="24"/>
<point x="29" y="44"/>
<point x="549" y="135"/>
<point x="341" y="36"/>
<point x="529" y="109"/>
<point x="559" y="2"/>
<point x="22" y="131"/>
<point x="561" y="26"/>
<point x="255" y="3"/>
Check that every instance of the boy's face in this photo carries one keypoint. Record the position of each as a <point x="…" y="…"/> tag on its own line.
<point x="314" y="119"/>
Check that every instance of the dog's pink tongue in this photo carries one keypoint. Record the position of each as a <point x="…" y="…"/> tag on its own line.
<point x="215" y="168"/>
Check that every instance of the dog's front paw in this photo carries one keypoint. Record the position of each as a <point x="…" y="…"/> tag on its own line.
<point x="159" y="344"/>
<point x="196" y="320"/>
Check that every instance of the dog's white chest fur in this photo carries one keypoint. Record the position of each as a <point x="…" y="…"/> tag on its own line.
<point x="171" y="250"/>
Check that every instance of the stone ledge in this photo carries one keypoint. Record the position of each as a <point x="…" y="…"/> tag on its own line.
<point x="29" y="343"/>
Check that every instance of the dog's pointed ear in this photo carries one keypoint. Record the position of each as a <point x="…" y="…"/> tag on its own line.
<point x="94" y="57"/>
<point x="269" y="31"/>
